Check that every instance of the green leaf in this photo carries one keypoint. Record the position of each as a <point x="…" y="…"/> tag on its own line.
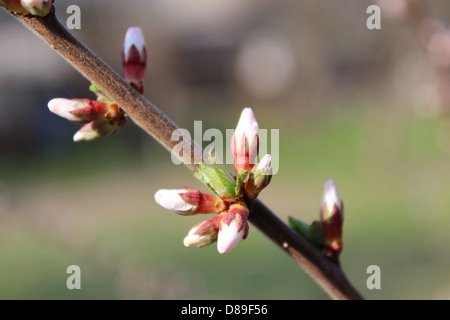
<point x="99" y="93"/>
<point x="217" y="179"/>
<point x="299" y="226"/>
<point x="240" y="181"/>
<point x="313" y="233"/>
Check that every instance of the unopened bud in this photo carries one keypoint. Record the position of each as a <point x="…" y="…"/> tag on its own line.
<point x="204" y="233"/>
<point x="245" y="142"/>
<point x="98" y="128"/>
<point x="332" y="218"/>
<point x="85" y="110"/>
<point x="188" y="201"/>
<point x="233" y="228"/>
<point x="37" y="7"/>
<point x="260" y="177"/>
<point x="134" y="58"/>
<point x="64" y="107"/>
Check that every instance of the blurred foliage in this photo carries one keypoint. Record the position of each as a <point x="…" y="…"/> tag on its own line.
<point x="104" y="219"/>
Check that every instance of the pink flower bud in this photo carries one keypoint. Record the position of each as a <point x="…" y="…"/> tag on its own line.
<point x="88" y="132"/>
<point x="171" y="199"/>
<point x="233" y="228"/>
<point x="98" y="128"/>
<point x="202" y="202"/>
<point x="331" y="198"/>
<point x="100" y="117"/>
<point x="26" y="7"/>
<point x="204" y="233"/>
<point x="85" y="110"/>
<point x="37" y="7"/>
<point x="244" y="143"/>
<point x="188" y="201"/>
<point x="134" y="58"/>
<point x="64" y="107"/>
<point x="260" y="177"/>
<point x="332" y="218"/>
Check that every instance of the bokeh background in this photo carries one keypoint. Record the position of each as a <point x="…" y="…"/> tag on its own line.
<point x="368" y="108"/>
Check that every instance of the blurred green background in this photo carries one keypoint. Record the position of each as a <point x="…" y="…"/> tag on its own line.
<point x="367" y="108"/>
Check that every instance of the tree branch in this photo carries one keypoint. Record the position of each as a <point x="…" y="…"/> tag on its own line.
<point x="146" y="115"/>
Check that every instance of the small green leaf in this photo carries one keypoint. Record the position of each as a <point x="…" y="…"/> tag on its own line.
<point x="299" y="226"/>
<point x="313" y="233"/>
<point x="217" y="179"/>
<point x="240" y="181"/>
<point x="99" y="93"/>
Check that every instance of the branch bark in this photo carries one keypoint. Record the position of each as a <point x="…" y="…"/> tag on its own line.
<point x="147" y="116"/>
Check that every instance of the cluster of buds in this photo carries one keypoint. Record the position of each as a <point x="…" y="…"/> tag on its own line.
<point x="100" y="118"/>
<point x="230" y="226"/>
<point x="103" y="116"/>
<point x="326" y="234"/>
<point x="28" y="7"/>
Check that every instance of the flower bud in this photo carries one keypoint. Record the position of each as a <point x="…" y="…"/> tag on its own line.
<point x="134" y="58"/>
<point x="260" y="177"/>
<point x="64" y="107"/>
<point x="233" y="227"/>
<point x="332" y="218"/>
<point x="100" y="117"/>
<point x="85" y="110"/>
<point x="188" y="201"/>
<point x="244" y="142"/>
<point x="37" y="7"/>
<point x="98" y="128"/>
<point x="204" y="233"/>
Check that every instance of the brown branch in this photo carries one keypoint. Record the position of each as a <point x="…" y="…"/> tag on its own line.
<point x="143" y="112"/>
<point x="328" y="275"/>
